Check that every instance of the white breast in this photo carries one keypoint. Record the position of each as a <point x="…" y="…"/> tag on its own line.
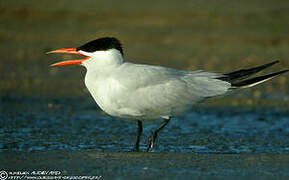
<point x="109" y="94"/>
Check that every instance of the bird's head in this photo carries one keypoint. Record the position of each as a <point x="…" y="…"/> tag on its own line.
<point x="102" y="49"/>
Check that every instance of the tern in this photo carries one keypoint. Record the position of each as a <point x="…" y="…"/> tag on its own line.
<point x="146" y="93"/>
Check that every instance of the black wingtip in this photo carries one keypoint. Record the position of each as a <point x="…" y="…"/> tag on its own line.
<point x="270" y="64"/>
<point x="286" y="70"/>
<point x="257" y="80"/>
<point x="274" y="62"/>
<point x="244" y="73"/>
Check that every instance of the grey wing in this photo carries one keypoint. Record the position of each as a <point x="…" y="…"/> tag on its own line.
<point x="165" y="92"/>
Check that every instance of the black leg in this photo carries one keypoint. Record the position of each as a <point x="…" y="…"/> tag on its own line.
<point x="139" y="132"/>
<point x="154" y="135"/>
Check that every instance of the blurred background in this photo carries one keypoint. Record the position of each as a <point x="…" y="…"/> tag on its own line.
<point x="213" y="35"/>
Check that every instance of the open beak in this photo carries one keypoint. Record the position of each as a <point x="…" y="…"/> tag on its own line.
<point x="68" y="62"/>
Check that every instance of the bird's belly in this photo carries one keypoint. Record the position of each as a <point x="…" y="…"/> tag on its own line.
<point x="118" y="101"/>
<point x="115" y="109"/>
<point x="110" y="105"/>
<point x="110" y="97"/>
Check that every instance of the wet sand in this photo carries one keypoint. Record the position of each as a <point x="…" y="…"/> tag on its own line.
<point x="125" y="165"/>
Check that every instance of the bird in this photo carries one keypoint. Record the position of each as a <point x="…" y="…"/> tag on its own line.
<point x="148" y="93"/>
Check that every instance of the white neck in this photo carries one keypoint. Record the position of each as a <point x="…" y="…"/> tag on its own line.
<point x="99" y="67"/>
<point x="102" y="59"/>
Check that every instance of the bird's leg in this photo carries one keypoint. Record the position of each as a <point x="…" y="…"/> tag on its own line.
<point x="154" y="135"/>
<point x="139" y="132"/>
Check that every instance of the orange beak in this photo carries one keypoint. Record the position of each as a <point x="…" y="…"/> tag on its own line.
<point x="68" y="62"/>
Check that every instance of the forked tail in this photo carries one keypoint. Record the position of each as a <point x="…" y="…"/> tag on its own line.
<point x="236" y="78"/>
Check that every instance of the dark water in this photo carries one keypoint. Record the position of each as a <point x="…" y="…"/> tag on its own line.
<point x="42" y="124"/>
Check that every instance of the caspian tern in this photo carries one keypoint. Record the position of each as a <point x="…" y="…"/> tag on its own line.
<point x="145" y="93"/>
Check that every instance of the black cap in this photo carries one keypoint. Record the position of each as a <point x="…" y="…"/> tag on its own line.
<point x="101" y="44"/>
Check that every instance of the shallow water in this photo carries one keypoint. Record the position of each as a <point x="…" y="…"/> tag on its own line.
<point x="73" y="137"/>
<point x="42" y="124"/>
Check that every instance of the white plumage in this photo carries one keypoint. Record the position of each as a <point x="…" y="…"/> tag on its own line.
<point x="145" y="92"/>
